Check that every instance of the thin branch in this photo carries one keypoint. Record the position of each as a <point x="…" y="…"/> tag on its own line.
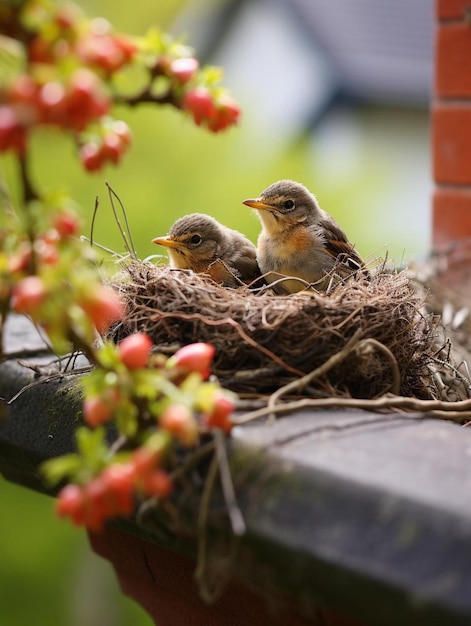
<point x="201" y="573"/>
<point x="127" y="236"/>
<point x="29" y="193"/>
<point x="395" y="387"/>
<point x="92" y="227"/>
<point x="235" y="515"/>
<point x="146" y="96"/>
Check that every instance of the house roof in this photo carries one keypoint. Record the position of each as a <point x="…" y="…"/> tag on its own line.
<point x="381" y="50"/>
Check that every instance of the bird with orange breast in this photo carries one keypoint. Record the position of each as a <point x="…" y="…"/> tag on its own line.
<point x="300" y="239"/>
<point x="200" y="243"/>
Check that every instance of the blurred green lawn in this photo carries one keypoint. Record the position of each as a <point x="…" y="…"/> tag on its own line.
<point x="48" y="575"/>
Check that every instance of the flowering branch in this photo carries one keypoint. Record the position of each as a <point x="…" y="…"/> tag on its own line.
<point x="65" y="70"/>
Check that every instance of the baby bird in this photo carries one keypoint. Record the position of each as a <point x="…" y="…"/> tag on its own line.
<point x="300" y="239"/>
<point x="200" y="243"/>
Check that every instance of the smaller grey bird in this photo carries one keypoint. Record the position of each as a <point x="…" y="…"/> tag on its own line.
<point x="200" y="243"/>
<point x="300" y="239"/>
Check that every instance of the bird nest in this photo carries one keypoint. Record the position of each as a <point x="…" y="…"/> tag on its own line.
<point x="364" y="339"/>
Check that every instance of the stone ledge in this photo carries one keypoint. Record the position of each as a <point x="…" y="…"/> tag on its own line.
<point x="368" y="514"/>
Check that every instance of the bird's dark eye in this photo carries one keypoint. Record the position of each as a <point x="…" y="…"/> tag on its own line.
<point x="288" y="205"/>
<point x="196" y="240"/>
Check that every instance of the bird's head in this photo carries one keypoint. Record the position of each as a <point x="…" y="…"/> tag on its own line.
<point x="193" y="242"/>
<point x="284" y="204"/>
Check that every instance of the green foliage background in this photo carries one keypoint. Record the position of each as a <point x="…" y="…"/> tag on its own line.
<point x="48" y="575"/>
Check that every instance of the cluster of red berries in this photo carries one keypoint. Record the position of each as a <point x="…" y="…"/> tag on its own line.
<point x="216" y="113"/>
<point x="134" y="354"/>
<point x="75" y="101"/>
<point x="207" y="108"/>
<point x="46" y="245"/>
<point x="30" y="291"/>
<point x="110" y="147"/>
<point x="69" y="33"/>
<point x="112" y="493"/>
<point x="72" y="105"/>
<point x="59" y="37"/>
<point x="102" y="305"/>
<point x="106" y="51"/>
<point x="178" y="419"/>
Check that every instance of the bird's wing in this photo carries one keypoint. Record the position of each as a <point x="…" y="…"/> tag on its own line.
<point x="222" y="274"/>
<point x="248" y="269"/>
<point x="338" y="245"/>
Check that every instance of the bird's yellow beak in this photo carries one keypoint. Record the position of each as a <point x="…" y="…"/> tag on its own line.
<point x="255" y="203"/>
<point x="167" y="242"/>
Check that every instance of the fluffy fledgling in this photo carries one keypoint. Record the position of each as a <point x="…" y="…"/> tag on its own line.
<point x="200" y="243"/>
<point x="300" y="239"/>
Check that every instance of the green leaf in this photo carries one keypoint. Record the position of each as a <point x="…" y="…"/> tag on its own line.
<point x="61" y="468"/>
<point x="126" y="419"/>
<point x="91" y="443"/>
<point x="108" y="355"/>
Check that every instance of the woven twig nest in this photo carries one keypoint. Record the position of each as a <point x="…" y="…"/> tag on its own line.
<point x="264" y="341"/>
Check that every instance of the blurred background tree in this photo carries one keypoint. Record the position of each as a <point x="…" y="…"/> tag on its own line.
<point x="334" y="95"/>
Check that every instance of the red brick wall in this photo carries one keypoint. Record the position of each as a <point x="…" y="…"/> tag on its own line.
<point x="451" y="123"/>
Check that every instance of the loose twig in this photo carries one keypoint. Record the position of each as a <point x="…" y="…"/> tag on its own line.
<point x="370" y="342"/>
<point x="235" y="515"/>
<point x="201" y="573"/>
<point x="455" y="411"/>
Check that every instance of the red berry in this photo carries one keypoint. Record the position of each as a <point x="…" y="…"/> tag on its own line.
<point x="70" y="503"/>
<point x="91" y="157"/>
<point x="112" y="148"/>
<point x="97" y="507"/>
<point x="40" y="51"/>
<point x="134" y="351"/>
<point x="28" y="295"/>
<point x="119" y="480"/>
<point x="158" y="483"/>
<point x="127" y="46"/>
<point x="228" y="113"/>
<point x="108" y="52"/>
<point x="121" y="129"/>
<point x="219" y="417"/>
<point x="50" y="237"/>
<point x="144" y="461"/>
<point x="24" y="89"/>
<point x="199" y="102"/>
<point x="20" y="261"/>
<point x="98" y="410"/>
<point x="52" y="103"/>
<point x="178" y="420"/>
<point x="47" y="252"/>
<point x="67" y="224"/>
<point x="103" y="306"/>
<point x="184" y="69"/>
<point x="195" y="357"/>
<point x="85" y="100"/>
<point x="12" y="132"/>
<point x="67" y="16"/>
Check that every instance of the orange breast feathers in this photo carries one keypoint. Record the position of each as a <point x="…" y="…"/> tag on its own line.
<point x="289" y="245"/>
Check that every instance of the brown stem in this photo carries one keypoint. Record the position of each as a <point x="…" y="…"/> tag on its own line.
<point x="81" y="344"/>
<point x="29" y="193"/>
<point x="147" y="96"/>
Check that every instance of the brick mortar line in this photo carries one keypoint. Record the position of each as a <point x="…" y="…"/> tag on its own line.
<point x="451" y="100"/>
<point x="452" y="186"/>
<point x="443" y="21"/>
